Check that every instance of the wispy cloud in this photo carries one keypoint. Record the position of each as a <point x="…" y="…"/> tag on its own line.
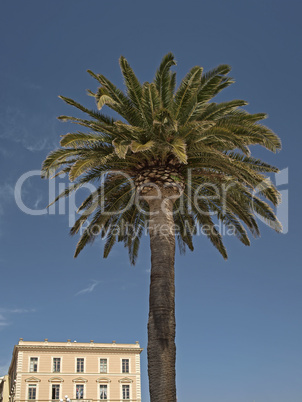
<point x="39" y="145"/>
<point x="35" y="132"/>
<point x="5" y="315"/>
<point x="17" y="310"/>
<point x="89" y="288"/>
<point x="3" y="322"/>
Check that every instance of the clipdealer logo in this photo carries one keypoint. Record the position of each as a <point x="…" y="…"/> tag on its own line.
<point x="68" y="205"/>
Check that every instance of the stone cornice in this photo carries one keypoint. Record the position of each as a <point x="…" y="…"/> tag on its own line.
<point x="86" y="349"/>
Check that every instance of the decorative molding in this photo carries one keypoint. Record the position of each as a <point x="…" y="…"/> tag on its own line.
<point x="103" y="380"/>
<point x="138" y="377"/>
<point x="126" y="379"/>
<point x="79" y="380"/>
<point x="18" y="368"/>
<point x="32" y="379"/>
<point x="68" y="349"/>
<point x="56" y="379"/>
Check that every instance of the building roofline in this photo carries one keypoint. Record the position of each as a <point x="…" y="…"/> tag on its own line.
<point x="108" y="349"/>
<point x="76" y="344"/>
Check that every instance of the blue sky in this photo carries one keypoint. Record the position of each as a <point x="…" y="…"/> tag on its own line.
<point x="238" y="322"/>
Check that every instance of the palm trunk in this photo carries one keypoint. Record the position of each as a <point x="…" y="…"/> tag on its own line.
<point x="161" y="324"/>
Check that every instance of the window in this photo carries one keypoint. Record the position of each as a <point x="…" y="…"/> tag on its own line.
<point x="80" y="365"/>
<point x="56" y="364"/>
<point x="103" y="365"/>
<point x="103" y="392"/>
<point x="126" y="392"/>
<point x="55" y="391"/>
<point x="33" y="364"/>
<point x="125" y="365"/>
<point x="79" y="391"/>
<point x="32" y="392"/>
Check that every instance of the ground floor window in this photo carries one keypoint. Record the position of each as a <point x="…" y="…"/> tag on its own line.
<point x="55" y="391"/>
<point x="79" y="391"/>
<point x="103" y="392"/>
<point x="126" y="392"/>
<point x="32" y="391"/>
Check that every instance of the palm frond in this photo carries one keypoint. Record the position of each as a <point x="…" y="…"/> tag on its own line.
<point x="186" y="91"/>
<point x="79" y="139"/>
<point x="133" y="86"/>
<point x="95" y="115"/>
<point x="163" y="79"/>
<point x="123" y="104"/>
<point x="213" y="82"/>
<point x="178" y="148"/>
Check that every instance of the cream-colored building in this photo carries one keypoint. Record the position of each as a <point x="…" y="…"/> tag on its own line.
<point x="54" y="371"/>
<point x="4" y="389"/>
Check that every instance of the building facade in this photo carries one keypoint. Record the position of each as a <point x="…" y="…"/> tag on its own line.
<point x="4" y="389"/>
<point x="72" y="371"/>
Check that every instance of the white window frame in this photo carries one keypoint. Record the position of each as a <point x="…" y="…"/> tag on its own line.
<point x="99" y="391"/>
<point x="52" y="364"/>
<point x="33" y="357"/>
<point x="104" y="358"/>
<point x="130" y="392"/>
<point x="76" y="365"/>
<point x="27" y="391"/>
<point x="129" y="360"/>
<point x="75" y="390"/>
<point x="103" y="381"/>
<point x="60" y="391"/>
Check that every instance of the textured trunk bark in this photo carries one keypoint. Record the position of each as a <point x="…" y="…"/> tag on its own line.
<point x="161" y="324"/>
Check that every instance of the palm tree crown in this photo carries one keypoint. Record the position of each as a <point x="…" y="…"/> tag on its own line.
<point x="167" y="136"/>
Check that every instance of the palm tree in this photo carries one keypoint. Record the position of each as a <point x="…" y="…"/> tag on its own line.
<point x="174" y="164"/>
